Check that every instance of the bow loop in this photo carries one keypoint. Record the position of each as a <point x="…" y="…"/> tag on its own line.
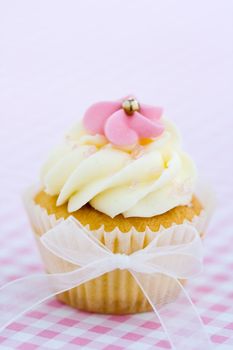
<point x="72" y="242"/>
<point x="165" y="255"/>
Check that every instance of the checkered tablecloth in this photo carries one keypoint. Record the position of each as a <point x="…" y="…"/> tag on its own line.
<point x="53" y="325"/>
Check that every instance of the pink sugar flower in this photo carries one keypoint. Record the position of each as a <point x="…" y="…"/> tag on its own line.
<point x="124" y="122"/>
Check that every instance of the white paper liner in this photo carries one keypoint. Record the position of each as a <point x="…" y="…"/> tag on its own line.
<point x="115" y="292"/>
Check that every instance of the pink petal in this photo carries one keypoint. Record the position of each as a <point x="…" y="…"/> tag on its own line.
<point x="145" y="127"/>
<point x="96" y="116"/>
<point x="118" y="131"/>
<point x="150" y="112"/>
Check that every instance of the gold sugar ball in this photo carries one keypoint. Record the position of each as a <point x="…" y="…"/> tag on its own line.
<point x="130" y="105"/>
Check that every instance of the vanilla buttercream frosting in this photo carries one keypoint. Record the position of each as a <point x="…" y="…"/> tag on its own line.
<point x="143" y="180"/>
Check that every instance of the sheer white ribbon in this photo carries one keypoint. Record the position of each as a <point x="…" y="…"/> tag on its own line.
<point x="73" y="243"/>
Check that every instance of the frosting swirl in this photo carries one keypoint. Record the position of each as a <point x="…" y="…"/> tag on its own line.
<point x="140" y="180"/>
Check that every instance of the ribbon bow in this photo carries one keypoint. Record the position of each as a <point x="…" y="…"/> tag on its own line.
<point x="73" y="243"/>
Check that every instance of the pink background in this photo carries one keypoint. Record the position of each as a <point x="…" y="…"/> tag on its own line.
<point x="57" y="57"/>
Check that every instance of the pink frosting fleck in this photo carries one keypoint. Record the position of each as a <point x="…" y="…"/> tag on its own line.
<point x="121" y="129"/>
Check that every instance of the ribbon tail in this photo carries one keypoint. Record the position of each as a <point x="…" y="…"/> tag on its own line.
<point x="21" y="295"/>
<point x="175" y="311"/>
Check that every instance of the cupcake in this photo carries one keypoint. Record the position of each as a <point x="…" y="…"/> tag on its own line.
<point x="122" y="174"/>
